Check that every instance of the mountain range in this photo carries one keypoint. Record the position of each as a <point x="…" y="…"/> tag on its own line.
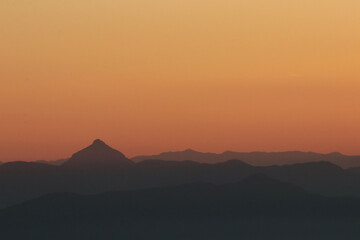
<point x="100" y="168"/>
<point x="253" y="158"/>
<point x="99" y="193"/>
<point x="257" y="158"/>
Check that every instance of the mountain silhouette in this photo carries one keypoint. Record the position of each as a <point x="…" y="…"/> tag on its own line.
<point x="256" y="158"/>
<point x="100" y="194"/>
<point x="100" y="168"/>
<point x="97" y="155"/>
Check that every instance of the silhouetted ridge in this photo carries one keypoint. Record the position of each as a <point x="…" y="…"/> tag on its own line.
<point x="99" y="168"/>
<point x="321" y="165"/>
<point x="98" y="155"/>
<point x="257" y="158"/>
<point x="25" y="168"/>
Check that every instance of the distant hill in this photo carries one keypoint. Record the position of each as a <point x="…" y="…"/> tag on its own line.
<point x="97" y="155"/>
<point x="252" y="209"/>
<point x="256" y="158"/>
<point x="55" y="162"/>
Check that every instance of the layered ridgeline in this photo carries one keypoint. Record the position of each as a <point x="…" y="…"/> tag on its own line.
<point x="99" y="168"/>
<point x="253" y="158"/>
<point x="99" y="193"/>
<point x="256" y="158"/>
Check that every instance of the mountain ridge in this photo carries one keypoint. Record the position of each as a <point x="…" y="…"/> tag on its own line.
<point x="256" y="158"/>
<point x="99" y="168"/>
<point x="97" y="155"/>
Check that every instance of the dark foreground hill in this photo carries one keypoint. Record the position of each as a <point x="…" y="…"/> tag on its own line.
<point x="99" y="168"/>
<point x="256" y="208"/>
<point x="257" y="158"/>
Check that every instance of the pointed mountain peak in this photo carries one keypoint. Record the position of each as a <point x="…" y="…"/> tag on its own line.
<point x="98" y="154"/>
<point x="98" y="142"/>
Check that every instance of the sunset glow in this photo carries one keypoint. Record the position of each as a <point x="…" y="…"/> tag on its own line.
<point x="160" y="75"/>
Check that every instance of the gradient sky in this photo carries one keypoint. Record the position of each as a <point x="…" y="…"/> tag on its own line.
<point x="154" y="75"/>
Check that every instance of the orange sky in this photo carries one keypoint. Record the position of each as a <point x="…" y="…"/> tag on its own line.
<point x="151" y="76"/>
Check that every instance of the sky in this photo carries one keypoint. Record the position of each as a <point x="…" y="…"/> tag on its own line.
<point x="153" y="76"/>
